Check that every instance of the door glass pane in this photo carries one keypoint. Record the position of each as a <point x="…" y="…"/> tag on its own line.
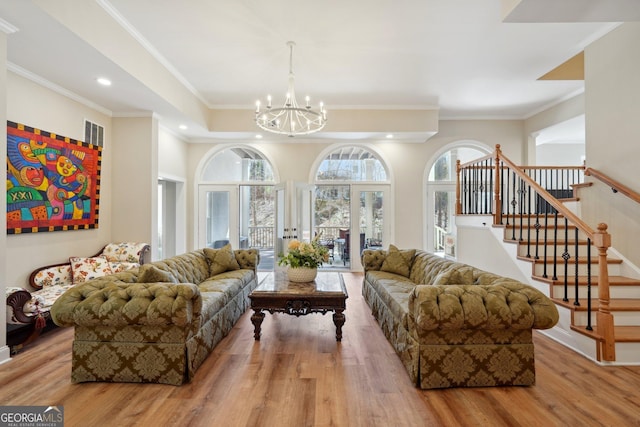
<point x="257" y="220"/>
<point x="333" y="222"/>
<point x="444" y="225"/>
<point x="161" y="224"/>
<point x="217" y="219"/>
<point x="303" y="199"/>
<point x="371" y="220"/>
<point x="280" y="220"/>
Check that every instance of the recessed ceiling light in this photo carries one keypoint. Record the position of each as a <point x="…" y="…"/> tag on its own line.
<point x="183" y="127"/>
<point x="258" y="136"/>
<point x="389" y="136"/>
<point x="104" y="81"/>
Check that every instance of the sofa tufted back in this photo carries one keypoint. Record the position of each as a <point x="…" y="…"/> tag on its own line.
<point x="190" y="267"/>
<point x="426" y="266"/>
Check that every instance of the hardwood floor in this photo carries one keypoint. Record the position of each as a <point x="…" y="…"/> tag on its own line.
<point x="298" y="375"/>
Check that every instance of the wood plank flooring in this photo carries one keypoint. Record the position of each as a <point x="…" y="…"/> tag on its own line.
<point x="298" y="375"/>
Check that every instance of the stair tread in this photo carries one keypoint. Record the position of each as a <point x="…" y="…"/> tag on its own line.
<point x="582" y="280"/>
<point x="582" y="184"/>
<point x="621" y="333"/>
<point x="615" y="304"/>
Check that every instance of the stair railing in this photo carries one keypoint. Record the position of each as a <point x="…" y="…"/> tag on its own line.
<point x="616" y="186"/>
<point x="495" y="185"/>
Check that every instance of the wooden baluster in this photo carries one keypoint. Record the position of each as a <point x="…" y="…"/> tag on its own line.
<point x="604" y="318"/>
<point x="497" y="201"/>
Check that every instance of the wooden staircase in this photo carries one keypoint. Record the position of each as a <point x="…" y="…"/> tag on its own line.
<point x="599" y="302"/>
<point x="624" y="291"/>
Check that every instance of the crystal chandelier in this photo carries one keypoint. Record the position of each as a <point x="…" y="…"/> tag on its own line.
<point x="291" y="119"/>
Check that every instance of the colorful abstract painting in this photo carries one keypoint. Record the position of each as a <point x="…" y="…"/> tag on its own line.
<point x="53" y="182"/>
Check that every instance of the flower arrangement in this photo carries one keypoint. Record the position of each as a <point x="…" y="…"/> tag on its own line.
<point x="304" y="254"/>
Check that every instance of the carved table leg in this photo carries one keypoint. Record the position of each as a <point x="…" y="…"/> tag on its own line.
<point x="256" y="319"/>
<point x="338" y="320"/>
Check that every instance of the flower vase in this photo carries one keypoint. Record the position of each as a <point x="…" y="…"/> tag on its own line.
<point x="302" y="274"/>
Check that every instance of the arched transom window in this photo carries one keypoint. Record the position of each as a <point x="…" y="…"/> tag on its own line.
<point x="351" y="164"/>
<point x="237" y="164"/>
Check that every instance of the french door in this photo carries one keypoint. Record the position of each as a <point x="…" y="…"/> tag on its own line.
<point x="441" y="225"/>
<point x="351" y="218"/>
<point x="372" y="229"/>
<point x="243" y="215"/>
<point x="293" y="212"/>
<point x="218" y="216"/>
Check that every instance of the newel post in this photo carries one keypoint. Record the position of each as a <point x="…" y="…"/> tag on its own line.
<point x="497" y="200"/>
<point x="458" y="200"/>
<point x="604" y="318"/>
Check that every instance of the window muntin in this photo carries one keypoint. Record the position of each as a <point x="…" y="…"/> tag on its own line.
<point x="351" y="164"/>
<point x="444" y="168"/>
<point x="238" y="165"/>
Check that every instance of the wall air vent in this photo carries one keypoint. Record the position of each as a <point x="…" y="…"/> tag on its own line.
<point x="93" y="133"/>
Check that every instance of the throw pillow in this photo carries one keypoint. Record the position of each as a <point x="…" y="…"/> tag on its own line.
<point x="221" y="260"/>
<point x="455" y="276"/>
<point x="149" y="273"/>
<point x="398" y="261"/>
<point x="83" y="269"/>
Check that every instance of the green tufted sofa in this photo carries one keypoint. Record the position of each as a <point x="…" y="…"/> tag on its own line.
<point x="453" y="325"/>
<point x="159" y="322"/>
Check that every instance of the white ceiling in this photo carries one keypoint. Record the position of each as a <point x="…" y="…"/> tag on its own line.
<point x="454" y="55"/>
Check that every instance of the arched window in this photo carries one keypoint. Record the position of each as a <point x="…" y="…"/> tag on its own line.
<point x="351" y="164"/>
<point x="237" y="164"/>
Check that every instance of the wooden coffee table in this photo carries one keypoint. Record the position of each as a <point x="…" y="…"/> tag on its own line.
<point x="277" y="294"/>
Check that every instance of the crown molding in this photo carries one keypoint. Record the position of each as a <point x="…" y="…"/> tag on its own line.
<point x="133" y="32"/>
<point x="58" y="89"/>
<point x="7" y="28"/>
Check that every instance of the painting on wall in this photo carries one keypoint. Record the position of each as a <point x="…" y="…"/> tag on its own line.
<point x="53" y="182"/>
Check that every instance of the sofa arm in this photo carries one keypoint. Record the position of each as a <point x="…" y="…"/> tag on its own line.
<point x="508" y="305"/>
<point x="103" y="303"/>
<point x="373" y="259"/>
<point x="16" y="299"/>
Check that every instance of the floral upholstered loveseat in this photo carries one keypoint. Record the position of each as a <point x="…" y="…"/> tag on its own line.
<point x="28" y="307"/>
<point x="157" y="323"/>
<point x="454" y="325"/>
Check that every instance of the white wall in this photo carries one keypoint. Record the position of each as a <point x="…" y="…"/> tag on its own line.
<point x="612" y="108"/>
<point x="566" y="110"/>
<point x="135" y="180"/>
<point x="172" y="166"/>
<point x="33" y="105"/>
<point x="172" y="156"/>
<point x="560" y="154"/>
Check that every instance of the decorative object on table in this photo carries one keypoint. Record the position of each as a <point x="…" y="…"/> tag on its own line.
<point x="303" y="259"/>
<point x="302" y="274"/>
<point x="291" y="119"/>
<point x="53" y="181"/>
